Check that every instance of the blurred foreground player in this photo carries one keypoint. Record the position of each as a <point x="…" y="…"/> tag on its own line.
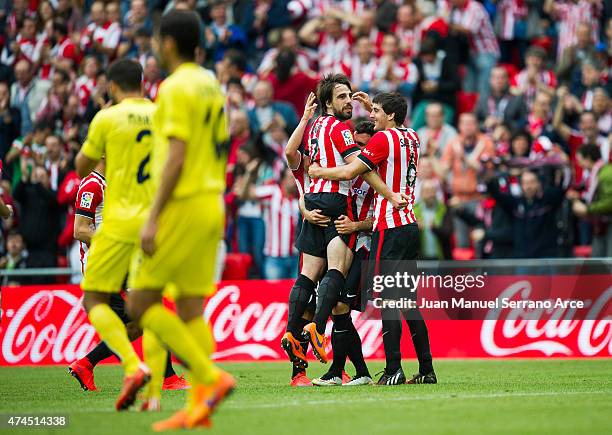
<point x="180" y="237"/>
<point x="88" y="217"/>
<point x="393" y="152"/>
<point x="121" y="133"/>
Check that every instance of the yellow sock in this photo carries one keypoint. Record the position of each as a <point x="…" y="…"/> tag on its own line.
<point x="200" y="329"/>
<point x="155" y="357"/>
<point x="112" y="331"/>
<point x="173" y="332"/>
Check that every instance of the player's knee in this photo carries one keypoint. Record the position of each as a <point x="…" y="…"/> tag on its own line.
<point x="91" y="299"/>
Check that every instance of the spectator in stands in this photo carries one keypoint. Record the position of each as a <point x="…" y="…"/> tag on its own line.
<point x="435" y="223"/>
<point x="535" y="77"/>
<point x="288" y="40"/>
<point x="289" y="83"/>
<point x="333" y="43"/>
<point x="267" y="111"/>
<point x="539" y="119"/>
<point x="56" y="98"/>
<point x="151" y="78"/>
<point x="54" y="160"/>
<point x="534" y="216"/>
<point x="569" y="14"/>
<point x="602" y="109"/>
<point x="590" y="79"/>
<point x="65" y="53"/>
<point x="16" y="258"/>
<point x="436" y="133"/>
<point x="501" y="106"/>
<point x="597" y="205"/>
<point x="358" y="67"/>
<point x="570" y="61"/>
<point x="468" y="18"/>
<point x="588" y="132"/>
<point x="460" y="164"/>
<point x="438" y="82"/>
<point x="136" y="19"/>
<point x="39" y="216"/>
<point x="27" y="93"/>
<point x="10" y="121"/>
<point x="72" y="15"/>
<point x="221" y="35"/>
<point x="391" y="73"/>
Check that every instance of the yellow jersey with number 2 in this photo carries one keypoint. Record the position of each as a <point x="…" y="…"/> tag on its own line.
<point x="122" y="133"/>
<point x="190" y="107"/>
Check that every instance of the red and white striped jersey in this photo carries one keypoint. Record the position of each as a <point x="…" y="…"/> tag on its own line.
<point x="65" y="49"/>
<point x="330" y="141"/>
<point x="474" y="17"/>
<point x="332" y="51"/>
<point x="357" y="71"/>
<point x="151" y="88"/>
<point x="302" y="180"/>
<point x="570" y="15"/>
<point x="281" y="214"/>
<point x="107" y="35"/>
<point x="363" y="197"/>
<point x="521" y="81"/>
<point x="410" y="39"/>
<point x="403" y="71"/>
<point x="510" y="11"/>
<point x="89" y="203"/>
<point x="84" y="87"/>
<point x="395" y="154"/>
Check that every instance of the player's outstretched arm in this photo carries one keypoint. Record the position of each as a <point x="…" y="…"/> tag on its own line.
<point x="399" y="200"/>
<point x="292" y="153"/>
<point x="344" y="172"/>
<point x="169" y="178"/>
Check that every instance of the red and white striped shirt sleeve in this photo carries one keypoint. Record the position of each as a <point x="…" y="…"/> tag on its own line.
<point x="376" y="151"/>
<point x="88" y="198"/>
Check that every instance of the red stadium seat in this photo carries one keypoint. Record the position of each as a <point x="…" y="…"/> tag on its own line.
<point x="236" y="266"/>
<point x="582" y="251"/>
<point x="466" y="101"/>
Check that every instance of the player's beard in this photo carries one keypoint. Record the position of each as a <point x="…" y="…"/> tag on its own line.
<point x="342" y="115"/>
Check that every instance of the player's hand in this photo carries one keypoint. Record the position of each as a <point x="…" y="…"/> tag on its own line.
<point x="344" y="225"/>
<point x="363" y="98"/>
<point x="311" y="106"/>
<point x="579" y="208"/>
<point x="314" y="170"/>
<point x="316" y="217"/>
<point x="399" y="200"/>
<point x="147" y="237"/>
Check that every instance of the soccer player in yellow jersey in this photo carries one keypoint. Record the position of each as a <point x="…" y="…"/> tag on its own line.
<point x="180" y="237"/>
<point x="121" y="133"/>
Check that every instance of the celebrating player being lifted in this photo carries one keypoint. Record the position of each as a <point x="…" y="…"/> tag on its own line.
<point x="393" y="153"/>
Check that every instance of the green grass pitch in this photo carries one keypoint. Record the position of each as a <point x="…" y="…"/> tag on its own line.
<point x="473" y="397"/>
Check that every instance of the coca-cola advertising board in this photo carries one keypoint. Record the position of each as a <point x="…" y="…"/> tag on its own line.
<point x="47" y="325"/>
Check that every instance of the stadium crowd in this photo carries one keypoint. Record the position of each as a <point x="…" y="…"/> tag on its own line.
<point x="510" y="99"/>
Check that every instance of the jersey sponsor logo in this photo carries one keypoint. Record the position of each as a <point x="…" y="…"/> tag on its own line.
<point x="348" y="137"/>
<point x="86" y="200"/>
<point x="367" y="152"/>
<point x="360" y="192"/>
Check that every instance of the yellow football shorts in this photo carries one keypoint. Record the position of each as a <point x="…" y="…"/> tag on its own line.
<point x="108" y="263"/>
<point x="188" y="234"/>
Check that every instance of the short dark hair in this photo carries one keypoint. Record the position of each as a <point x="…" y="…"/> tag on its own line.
<point x="236" y="58"/>
<point x="59" y="25"/>
<point x="365" y="127"/>
<point x="126" y="73"/>
<point x="184" y="28"/>
<point x="590" y="151"/>
<point x="392" y="102"/>
<point x="325" y="88"/>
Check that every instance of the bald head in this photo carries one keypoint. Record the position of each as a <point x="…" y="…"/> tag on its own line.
<point x="23" y="72"/>
<point x="262" y="93"/>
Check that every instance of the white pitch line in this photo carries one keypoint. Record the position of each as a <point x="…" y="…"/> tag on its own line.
<point x="240" y="406"/>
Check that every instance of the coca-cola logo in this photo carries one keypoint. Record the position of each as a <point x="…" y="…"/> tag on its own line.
<point x="545" y="329"/>
<point x="32" y="334"/>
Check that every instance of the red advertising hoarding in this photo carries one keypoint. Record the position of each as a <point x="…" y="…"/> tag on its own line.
<point x="47" y="325"/>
